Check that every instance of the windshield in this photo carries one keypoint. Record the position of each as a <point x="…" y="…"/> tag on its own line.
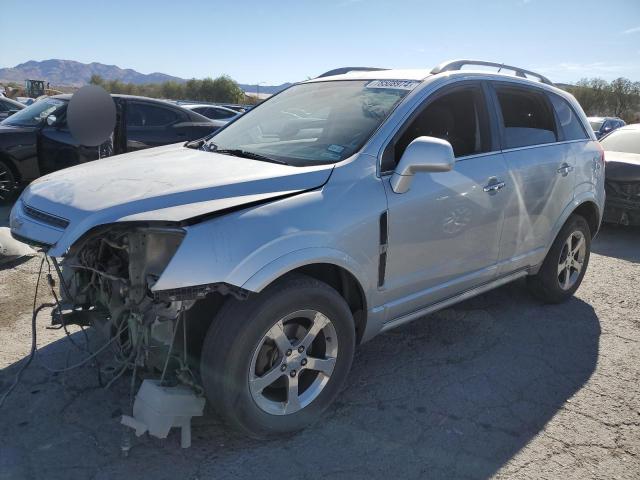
<point x="596" y="125"/>
<point x="35" y="113"/>
<point x="313" y="123"/>
<point x="623" y="140"/>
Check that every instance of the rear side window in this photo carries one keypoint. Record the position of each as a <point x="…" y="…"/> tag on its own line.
<point x="569" y="122"/>
<point x="145" y="115"/>
<point x="218" y="114"/>
<point x="527" y="118"/>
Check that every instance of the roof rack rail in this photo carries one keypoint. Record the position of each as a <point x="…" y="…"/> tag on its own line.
<point x="458" y="64"/>
<point x="343" y="70"/>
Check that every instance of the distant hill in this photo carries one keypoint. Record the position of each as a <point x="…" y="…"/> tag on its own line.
<point x="71" y="73"/>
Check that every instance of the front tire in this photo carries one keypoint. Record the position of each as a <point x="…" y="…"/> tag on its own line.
<point x="566" y="263"/>
<point x="8" y="184"/>
<point x="274" y="362"/>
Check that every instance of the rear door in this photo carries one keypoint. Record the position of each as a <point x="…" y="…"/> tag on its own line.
<point x="542" y="172"/>
<point x="443" y="234"/>
<point x="151" y="125"/>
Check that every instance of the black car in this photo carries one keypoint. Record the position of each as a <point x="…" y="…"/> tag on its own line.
<point x="8" y="107"/>
<point x="622" y="175"/>
<point x="603" y="125"/>
<point x="36" y="140"/>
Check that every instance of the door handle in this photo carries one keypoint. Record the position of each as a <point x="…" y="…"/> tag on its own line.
<point x="493" y="187"/>
<point x="564" y="169"/>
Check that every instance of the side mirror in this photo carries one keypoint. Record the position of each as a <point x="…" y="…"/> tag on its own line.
<point x="424" y="154"/>
<point x="51" y="120"/>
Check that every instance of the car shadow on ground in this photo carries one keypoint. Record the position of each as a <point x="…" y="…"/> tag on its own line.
<point x="618" y="241"/>
<point x="454" y="395"/>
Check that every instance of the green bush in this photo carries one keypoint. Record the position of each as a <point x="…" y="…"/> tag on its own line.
<point x="222" y="89"/>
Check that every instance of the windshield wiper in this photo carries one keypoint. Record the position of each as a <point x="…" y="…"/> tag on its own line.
<point x="237" y="152"/>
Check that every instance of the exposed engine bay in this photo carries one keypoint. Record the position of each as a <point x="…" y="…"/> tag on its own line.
<point x="106" y="282"/>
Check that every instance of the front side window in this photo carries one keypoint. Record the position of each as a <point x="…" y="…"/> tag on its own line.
<point x="313" y="123"/>
<point x="569" y="122"/>
<point x="36" y="113"/>
<point x="527" y="118"/>
<point x="457" y="117"/>
<point x="145" y="115"/>
<point x="622" y="140"/>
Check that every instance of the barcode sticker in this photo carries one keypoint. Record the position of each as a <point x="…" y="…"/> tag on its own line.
<point x="397" y="84"/>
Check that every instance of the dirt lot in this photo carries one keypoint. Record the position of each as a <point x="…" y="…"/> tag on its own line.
<point x="499" y="386"/>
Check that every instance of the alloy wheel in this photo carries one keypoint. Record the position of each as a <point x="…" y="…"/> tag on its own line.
<point x="571" y="260"/>
<point x="7" y="182"/>
<point x="293" y="362"/>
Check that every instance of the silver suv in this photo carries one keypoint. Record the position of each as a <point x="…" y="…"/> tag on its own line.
<point x="249" y="265"/>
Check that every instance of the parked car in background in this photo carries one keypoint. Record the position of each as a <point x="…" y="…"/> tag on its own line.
<point x="283" y="241"/>
<point x="603" y="125"/>
<point x="36" y="140"/>
<point x="238" y="108"/>
<point x="8" y="107"/>
<point x="622" y="155"/>
<point x="218" y="114"/>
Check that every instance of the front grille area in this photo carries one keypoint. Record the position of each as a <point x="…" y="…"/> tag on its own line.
<point x="44" y="217"/>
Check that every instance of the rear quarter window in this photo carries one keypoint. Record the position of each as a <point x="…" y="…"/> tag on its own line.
<point x="569" y="123"/>
<point x="527" y="118"/>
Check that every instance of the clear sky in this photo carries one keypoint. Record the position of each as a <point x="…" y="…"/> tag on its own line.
<point x="287" y="40"/>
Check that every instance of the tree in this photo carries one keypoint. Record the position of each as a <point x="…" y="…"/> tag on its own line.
<point x="620" y="98"/>
<point x="222" y="89"/>
<point x="622" y="90"/>
<point x="97" y="80"/>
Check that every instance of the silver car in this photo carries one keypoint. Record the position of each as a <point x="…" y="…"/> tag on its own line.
<point x="249" y="266"/>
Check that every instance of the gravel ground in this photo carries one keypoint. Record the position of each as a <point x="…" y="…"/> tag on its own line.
<point x="499" y="386"/>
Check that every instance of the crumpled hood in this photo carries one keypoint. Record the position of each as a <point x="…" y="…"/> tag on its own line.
<point x="171" y="183"/>
<point x="622" y="167"/>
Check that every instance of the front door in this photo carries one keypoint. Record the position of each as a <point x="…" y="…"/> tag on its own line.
<point x="444" y="233"/>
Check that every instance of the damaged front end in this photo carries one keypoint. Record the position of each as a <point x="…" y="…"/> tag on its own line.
<point x="623" y="202"/>
<point x="106" y="282"/>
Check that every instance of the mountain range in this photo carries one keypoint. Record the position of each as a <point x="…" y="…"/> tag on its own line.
<point x="75" y="74"/>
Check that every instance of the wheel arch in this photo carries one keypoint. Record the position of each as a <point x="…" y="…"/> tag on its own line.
<point x="340" y="274"/>
<point x="7" y="160"/>
<point x="591" y="213"/>
<point x="585" y="205"/>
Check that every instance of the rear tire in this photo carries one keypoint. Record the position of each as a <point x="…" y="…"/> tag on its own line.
<point x="274" y="362"/>
<point x="566" y="263"/>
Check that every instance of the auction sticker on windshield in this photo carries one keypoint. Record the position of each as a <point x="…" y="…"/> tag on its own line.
<point x="397" y="84"/>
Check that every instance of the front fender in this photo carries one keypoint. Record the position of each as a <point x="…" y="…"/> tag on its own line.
<point x="300" y="258"/>
<point x="251" y="248"/>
